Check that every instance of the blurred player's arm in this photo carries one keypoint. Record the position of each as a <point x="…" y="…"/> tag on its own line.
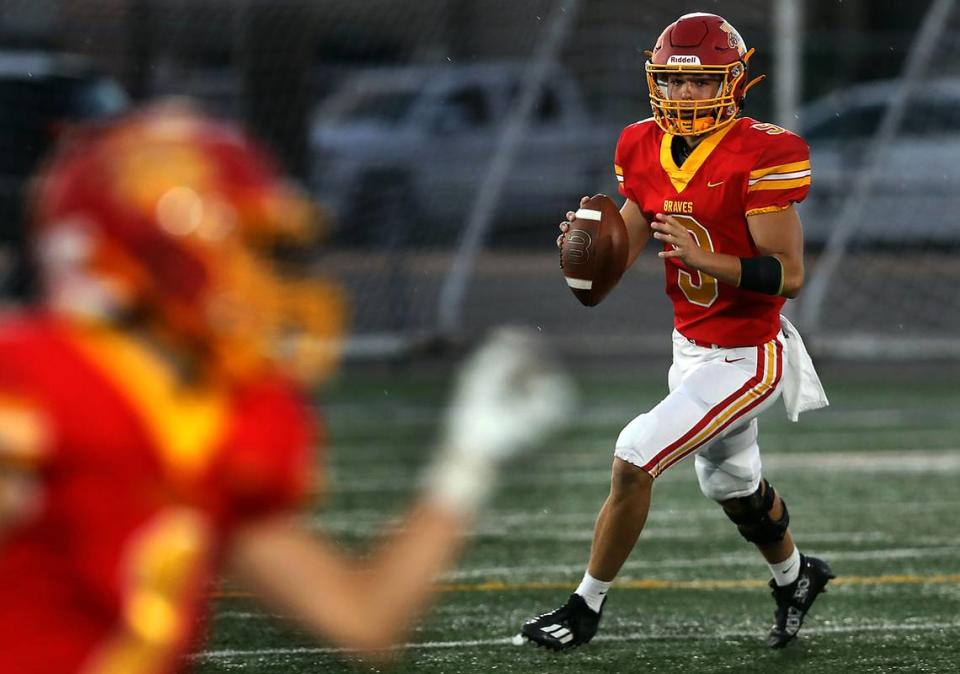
<point x="777" y="235"/>
<point x="508" y="397"/>
<point x="362" y="604"/>
<point x="22" y="448"/>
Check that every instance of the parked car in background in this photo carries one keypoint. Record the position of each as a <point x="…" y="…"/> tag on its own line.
<point x="407" y="149"/>
<point x="915" y="199"/>
<point x="41" y="94"/>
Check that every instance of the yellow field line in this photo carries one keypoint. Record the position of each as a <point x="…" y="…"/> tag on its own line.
<point x="654" y="584"/>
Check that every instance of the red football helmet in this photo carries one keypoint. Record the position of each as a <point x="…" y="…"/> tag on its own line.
<point x="706" y="45"/>
<point x="171" y="216"/>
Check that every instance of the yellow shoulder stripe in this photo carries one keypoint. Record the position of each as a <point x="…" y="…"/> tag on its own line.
<point x="779" y="184"/>
<point x="782" y="168"/>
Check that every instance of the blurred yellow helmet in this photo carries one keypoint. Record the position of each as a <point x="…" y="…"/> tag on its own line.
<point x="169" y="214"/>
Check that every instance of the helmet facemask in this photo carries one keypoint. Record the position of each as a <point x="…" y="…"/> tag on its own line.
<point x="266" y="301"/>
<point x="695" y="117"/>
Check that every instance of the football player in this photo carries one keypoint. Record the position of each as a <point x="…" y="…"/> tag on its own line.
<point x="151" y="433"/>
<point x="718" y="191"/>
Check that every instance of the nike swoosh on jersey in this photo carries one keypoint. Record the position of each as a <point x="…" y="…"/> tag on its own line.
<point x="731" y="360"/>
<point x="710" y="184"/>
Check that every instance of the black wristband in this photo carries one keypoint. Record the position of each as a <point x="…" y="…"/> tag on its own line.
<point x="761" y="274"/>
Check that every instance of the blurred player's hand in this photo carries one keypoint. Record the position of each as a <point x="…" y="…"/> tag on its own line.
<point x="565" y="225"/>
<point x="509" y="396"/>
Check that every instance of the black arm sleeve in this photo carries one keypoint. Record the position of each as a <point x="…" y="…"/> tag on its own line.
<point x="761" y="274"/>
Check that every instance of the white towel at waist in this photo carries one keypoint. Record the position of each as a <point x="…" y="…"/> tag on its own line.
<point x="802" y="390"/>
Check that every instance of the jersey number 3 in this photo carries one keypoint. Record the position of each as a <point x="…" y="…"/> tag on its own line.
<point x="699" y="288"/>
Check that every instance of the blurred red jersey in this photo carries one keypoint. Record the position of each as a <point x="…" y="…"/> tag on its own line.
<point x="746" y="168"/>
<point x="142" y="481"/>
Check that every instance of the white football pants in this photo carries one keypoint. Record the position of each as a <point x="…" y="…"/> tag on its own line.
<point x="715" y="397"/>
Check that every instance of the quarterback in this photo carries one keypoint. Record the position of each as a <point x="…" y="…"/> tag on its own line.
<point x="718" y="191"/>
<point x="152" y="433"/>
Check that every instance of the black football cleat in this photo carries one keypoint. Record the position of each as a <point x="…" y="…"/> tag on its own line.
<point x="571" y="625"/>
<point x="794" y="600"/>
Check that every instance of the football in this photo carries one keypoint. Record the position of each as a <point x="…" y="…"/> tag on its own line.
<point x="593" y="255"/>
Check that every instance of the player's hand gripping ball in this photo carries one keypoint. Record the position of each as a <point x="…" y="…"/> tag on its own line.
<point x="593" y="250"/>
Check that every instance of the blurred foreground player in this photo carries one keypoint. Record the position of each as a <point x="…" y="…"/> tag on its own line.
<point x="150" y="436"/>
<point x="718" y="191"/>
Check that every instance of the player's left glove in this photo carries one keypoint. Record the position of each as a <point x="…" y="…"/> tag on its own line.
<point x="510" y="394"/>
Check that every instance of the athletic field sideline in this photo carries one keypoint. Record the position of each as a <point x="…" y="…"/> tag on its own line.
<point x="871" y="484"/>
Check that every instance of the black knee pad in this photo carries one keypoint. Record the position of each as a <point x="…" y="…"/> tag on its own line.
<point x="753" y="516"/>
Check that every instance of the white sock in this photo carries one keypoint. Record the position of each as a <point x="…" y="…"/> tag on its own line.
<point x="593" y="591"/>
<point x="786" y="572"/>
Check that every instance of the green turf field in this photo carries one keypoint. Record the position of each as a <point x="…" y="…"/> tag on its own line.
<point x="872" y="485"/>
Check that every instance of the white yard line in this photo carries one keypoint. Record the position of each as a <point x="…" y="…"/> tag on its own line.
<point x="233" y="654"/>
<point x="407" y="415"/>
<point x="887" y="461"/>
<point x="662" y="565"/>
<point x="907" y="461"/>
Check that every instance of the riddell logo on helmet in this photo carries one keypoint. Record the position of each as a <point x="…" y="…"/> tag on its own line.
<point x="692" y="60"/>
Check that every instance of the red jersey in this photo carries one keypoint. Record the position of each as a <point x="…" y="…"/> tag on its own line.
<point x="746" y="168"/>
<point x="142" y="481"/>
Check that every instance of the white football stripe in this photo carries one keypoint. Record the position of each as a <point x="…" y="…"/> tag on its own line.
<point x="719" y="635"/>
<point x="782" y="176"/>
<point x="580" y="283"/>
<point x="588" y="214"/>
